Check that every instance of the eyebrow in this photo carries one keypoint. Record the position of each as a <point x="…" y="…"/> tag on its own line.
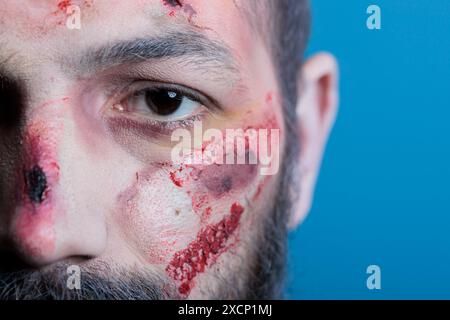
<point x="196" y="49"/>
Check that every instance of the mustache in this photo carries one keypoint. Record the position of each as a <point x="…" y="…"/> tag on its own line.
<point x="99" y="282"/>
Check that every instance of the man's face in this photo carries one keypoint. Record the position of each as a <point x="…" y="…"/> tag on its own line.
<point x="89" y="111"/>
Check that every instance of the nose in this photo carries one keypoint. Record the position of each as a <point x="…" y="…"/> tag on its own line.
<point x="44" y="225"/>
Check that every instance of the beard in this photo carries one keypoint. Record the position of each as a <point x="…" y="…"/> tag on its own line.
<point x="98" y="282"/>
<point x="261" y="277"/>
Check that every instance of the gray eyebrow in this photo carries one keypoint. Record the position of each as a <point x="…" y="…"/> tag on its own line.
<point x="206" y="54"/>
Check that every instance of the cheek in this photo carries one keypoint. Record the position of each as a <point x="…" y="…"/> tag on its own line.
<point x="213" y="188"/>
<point x="166" y="207"/>
<point x="216" y="193"/>
<point x="156" y="216"/>
<point x="220" y="194"/>
<point x="184" y="217"/>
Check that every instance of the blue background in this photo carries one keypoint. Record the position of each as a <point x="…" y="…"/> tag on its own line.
<point x="383" y="192"/>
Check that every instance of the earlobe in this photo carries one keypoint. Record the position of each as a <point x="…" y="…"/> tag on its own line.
<point x="316" y="111"/>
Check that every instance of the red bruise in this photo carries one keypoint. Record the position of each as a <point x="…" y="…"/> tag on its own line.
<point x="38" y="175"/>
<point x="199" y="201"/>
<point x="258" y="192"/>
<point x="220" y="179"/>
<point x="217" y="179"/>
<point x="206" y="214"/>
<point x="261" y="187"/>
<point x="176" y="180"/>
<point x="39" y="172"/>
<point x="39" y="153"/>
<point x="185" y="288"/>
<point x="174" y="5"/>
<point x="236" y="210"/>
<point x="190" y="11"/>
<point x="210" y="243"/>
<point x="63" y="5"/>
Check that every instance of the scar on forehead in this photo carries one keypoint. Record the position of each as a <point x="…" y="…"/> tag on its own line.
<point x="179" y="4"/>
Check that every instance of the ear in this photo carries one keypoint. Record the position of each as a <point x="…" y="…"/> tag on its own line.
<point x="316" y="112"/>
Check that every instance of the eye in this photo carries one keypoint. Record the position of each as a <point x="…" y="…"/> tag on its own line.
<point x="160" y="103"/>
<point x="164" y="102"/>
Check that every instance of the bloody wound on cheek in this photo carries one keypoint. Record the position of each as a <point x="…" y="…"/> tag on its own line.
<point x="211" y="242"/>
<point x="36" y="184"/>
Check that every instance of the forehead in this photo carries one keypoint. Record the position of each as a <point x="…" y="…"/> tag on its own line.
<point x="37" y="30"/>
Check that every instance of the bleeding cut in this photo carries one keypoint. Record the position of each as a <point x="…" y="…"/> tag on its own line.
<point x="210" y="243"/>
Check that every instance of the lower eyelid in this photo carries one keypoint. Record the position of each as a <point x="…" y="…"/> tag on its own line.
<point x="150" y="127"/>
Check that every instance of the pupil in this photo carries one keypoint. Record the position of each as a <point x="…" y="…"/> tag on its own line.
<point x="163" y="102"/>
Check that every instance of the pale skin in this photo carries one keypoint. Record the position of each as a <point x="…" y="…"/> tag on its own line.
<point x="111" y="195"/>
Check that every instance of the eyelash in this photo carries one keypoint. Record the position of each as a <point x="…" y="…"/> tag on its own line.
<point x="154" y="125"/>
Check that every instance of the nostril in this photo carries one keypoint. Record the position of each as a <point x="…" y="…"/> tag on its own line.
<point x="78" y="260"/>
<point x="11" y="262"/>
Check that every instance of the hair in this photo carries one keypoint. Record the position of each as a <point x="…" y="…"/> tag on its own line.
<point x="285" y="26"/>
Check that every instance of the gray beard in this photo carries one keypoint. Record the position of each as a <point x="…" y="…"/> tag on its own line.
<point x="52" y="285"/>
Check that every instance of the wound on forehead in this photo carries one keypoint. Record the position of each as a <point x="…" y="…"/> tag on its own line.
<point x="172" y="3"/>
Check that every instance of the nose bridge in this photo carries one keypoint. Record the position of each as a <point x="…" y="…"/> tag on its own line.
<point x="42" y="132"/>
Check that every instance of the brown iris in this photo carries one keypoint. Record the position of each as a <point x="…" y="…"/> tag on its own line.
<point x="163" y="102"/>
